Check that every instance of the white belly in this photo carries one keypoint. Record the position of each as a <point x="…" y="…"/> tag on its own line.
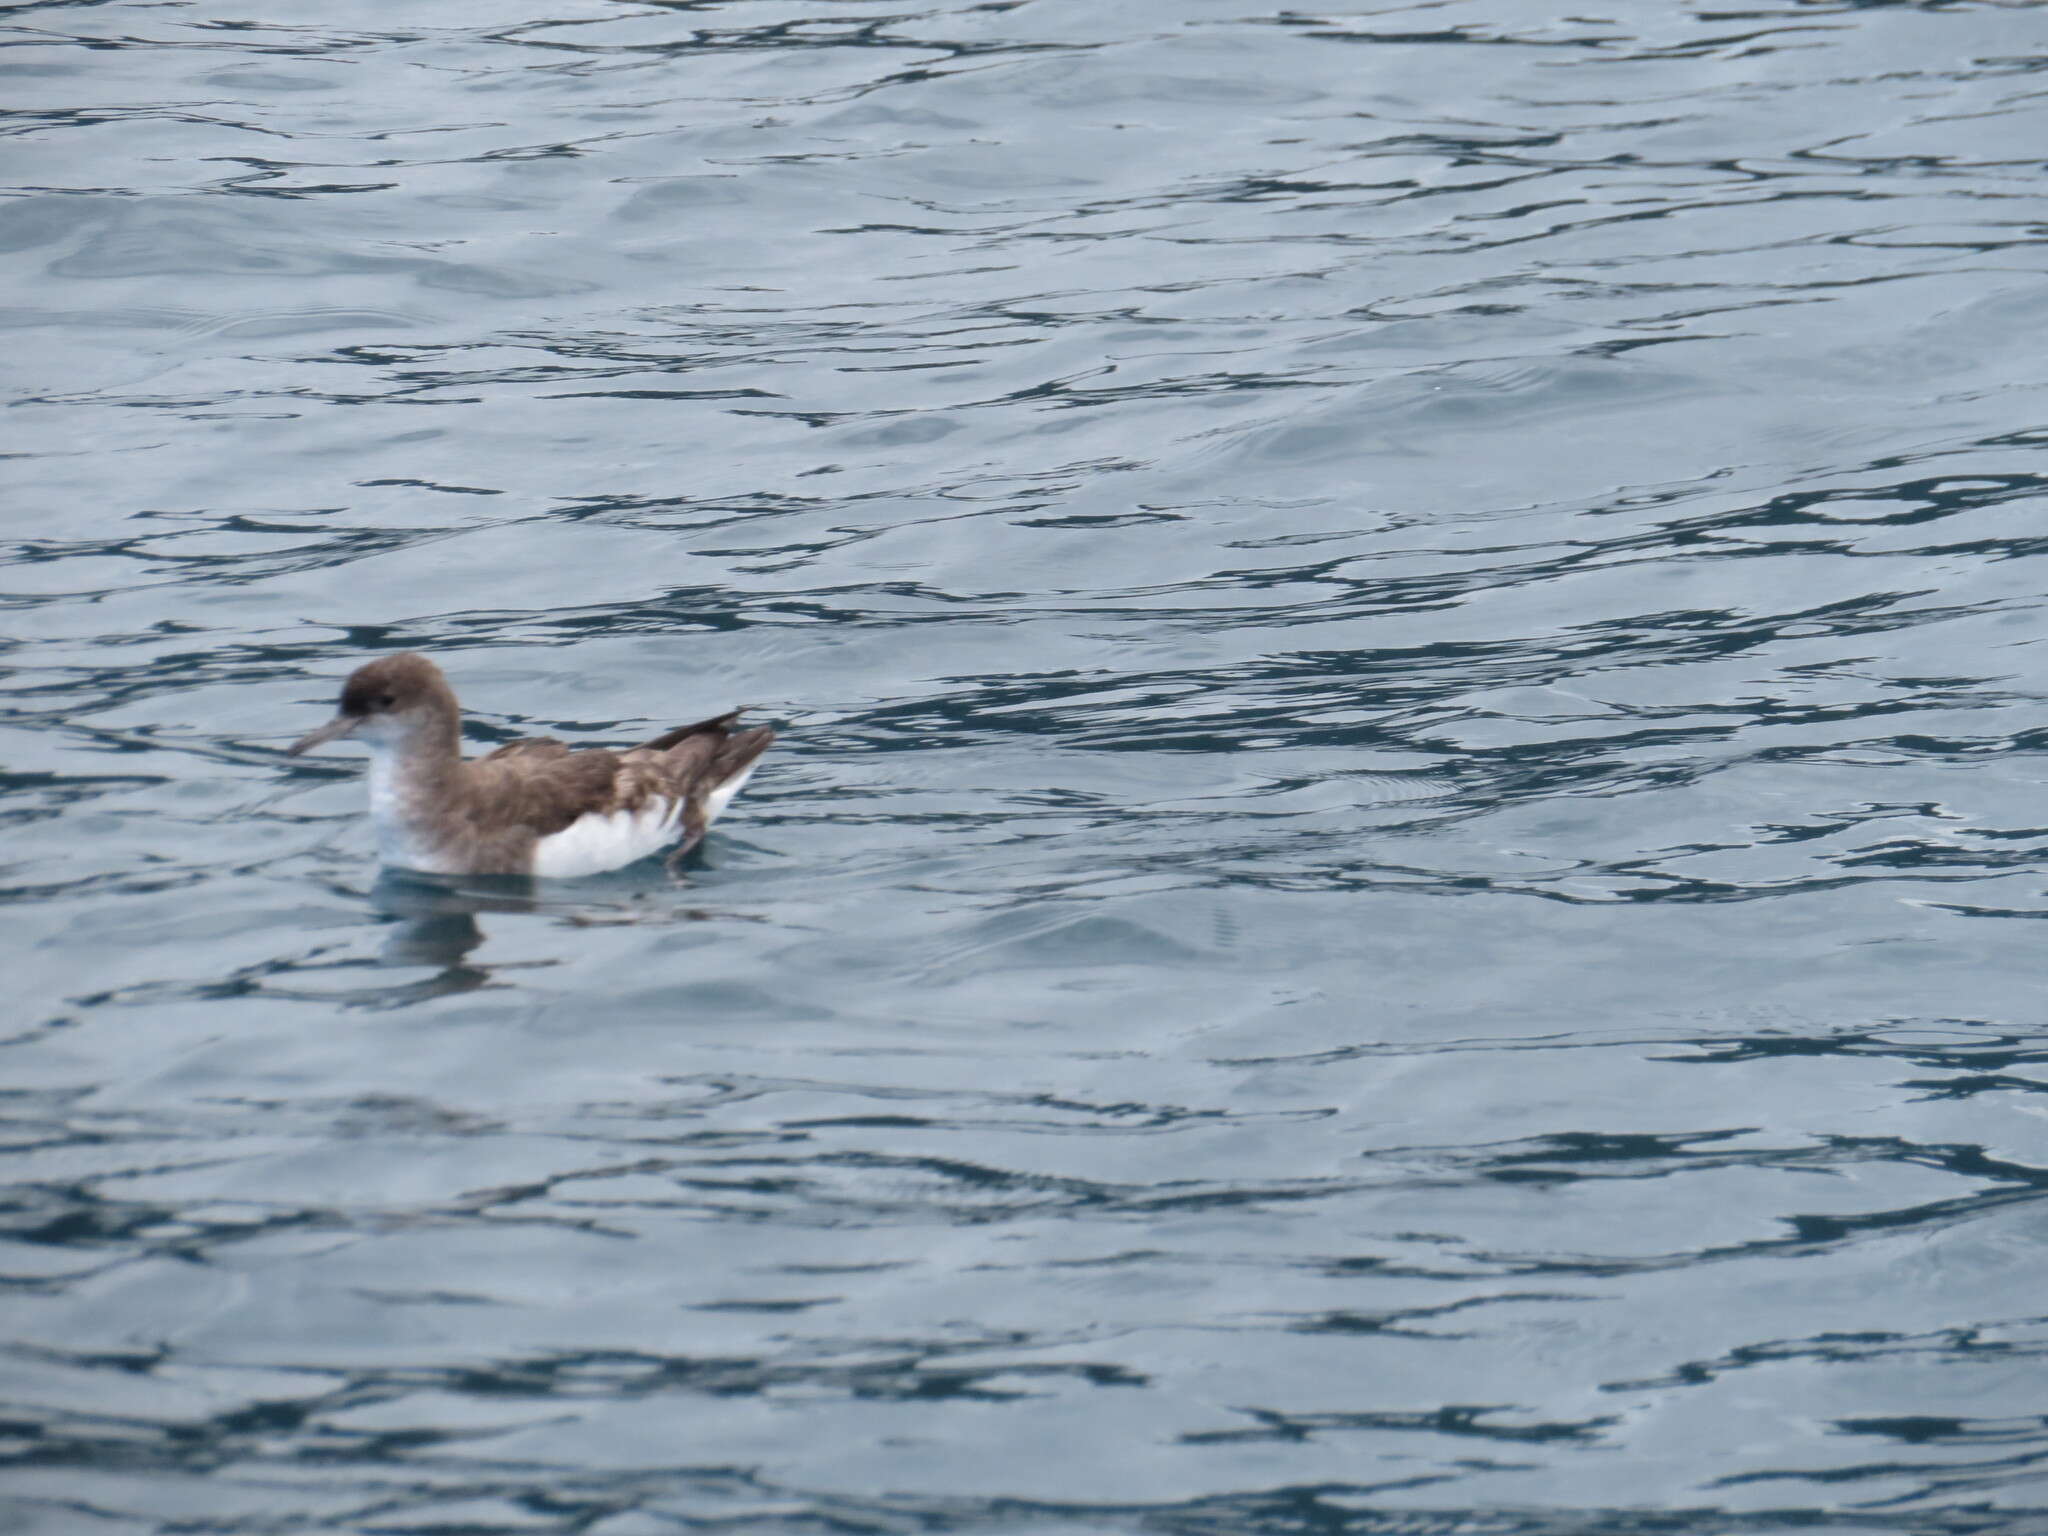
<point x="590" y="845"/>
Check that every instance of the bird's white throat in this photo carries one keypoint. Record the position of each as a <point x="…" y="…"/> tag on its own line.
<point x="396" y="814"/>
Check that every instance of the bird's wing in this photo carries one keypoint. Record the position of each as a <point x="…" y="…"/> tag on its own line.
<point x="529" y="747"/>
<point x="703" y="763"/>
<point x="715" y="729"/>
<point x="547" y="789"/>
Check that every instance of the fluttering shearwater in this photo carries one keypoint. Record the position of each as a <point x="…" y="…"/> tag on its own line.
<point x="532" y="807"/>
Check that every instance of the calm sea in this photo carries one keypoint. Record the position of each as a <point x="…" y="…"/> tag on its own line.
<point x="1402" y="893"/>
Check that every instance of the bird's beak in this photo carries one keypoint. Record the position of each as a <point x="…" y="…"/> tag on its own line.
<point x="333" y="730"/>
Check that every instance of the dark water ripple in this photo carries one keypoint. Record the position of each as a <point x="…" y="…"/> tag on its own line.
<point x="1399" y="896"/>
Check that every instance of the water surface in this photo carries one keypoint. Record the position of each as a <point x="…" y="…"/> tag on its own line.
<point x="1401" y="892"/>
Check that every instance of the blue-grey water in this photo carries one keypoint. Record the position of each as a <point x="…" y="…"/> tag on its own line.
<point x="1402" y="892"/>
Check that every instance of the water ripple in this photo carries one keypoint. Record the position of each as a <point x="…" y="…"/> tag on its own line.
<point x="1405" y="648"/>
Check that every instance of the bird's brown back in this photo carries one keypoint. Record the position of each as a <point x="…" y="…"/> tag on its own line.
<point x="544" y="786"/>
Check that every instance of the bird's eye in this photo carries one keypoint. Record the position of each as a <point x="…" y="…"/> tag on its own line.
<point x="385" y="701"/>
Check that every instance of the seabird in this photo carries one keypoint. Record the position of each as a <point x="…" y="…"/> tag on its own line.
<point x="532" y="807"/>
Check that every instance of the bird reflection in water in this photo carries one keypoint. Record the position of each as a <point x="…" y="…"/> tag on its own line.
<point x="434" y="924"/>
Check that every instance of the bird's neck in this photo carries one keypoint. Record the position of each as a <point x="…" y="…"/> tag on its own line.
<point x="413" y="782"/>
